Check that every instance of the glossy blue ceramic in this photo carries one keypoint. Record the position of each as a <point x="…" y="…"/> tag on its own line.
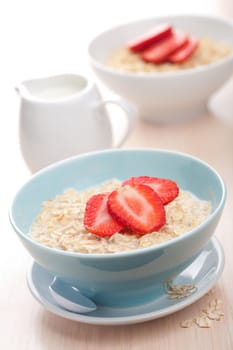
<point x="126" y="278"/>
<point x="204" y="273"/>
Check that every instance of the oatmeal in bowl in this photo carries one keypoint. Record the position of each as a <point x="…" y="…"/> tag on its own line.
<point x="172" y="79"/>
<point x="96" y="221"/>
<point x="61" y="222"/>
<point x="207" y="52"/>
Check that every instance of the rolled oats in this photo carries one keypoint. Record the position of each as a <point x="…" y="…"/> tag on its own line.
<point x="207" y="52"/>
<point x="60" y="223"/>
<point x="187" y="323"/>
<point x="203" y="321"/>
<point x="175" y="291"/>
<point x="213" y="312"/>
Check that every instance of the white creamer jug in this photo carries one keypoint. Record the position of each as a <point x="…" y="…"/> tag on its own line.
<point x="64" y="115"/>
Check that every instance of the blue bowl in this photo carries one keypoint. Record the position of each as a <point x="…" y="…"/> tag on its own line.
<point x="126" y="278"/>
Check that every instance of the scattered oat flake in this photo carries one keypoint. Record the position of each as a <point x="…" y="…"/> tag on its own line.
<point x="214" y="316"/>
<point x="203" y="322"/>
<point x="187" y="323"/>
<point x="214" y="310"/>
<point x="179" y="291"/>
<point x="215" y="305"/>
<point x="211" y="292"/>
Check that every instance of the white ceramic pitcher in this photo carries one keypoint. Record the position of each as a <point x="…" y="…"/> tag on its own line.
<point x="64" y="115"/>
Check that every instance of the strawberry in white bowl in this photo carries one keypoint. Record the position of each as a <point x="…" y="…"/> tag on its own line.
<point x="166" y="66"/>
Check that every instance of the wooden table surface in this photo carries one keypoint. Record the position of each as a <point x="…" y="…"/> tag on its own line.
<point x="27" y="325"/>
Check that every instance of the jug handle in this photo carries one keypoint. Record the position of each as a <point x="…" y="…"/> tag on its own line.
<point x="131" y="115"/>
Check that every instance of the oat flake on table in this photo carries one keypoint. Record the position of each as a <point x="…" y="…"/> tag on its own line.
<point x="213" y="312"/>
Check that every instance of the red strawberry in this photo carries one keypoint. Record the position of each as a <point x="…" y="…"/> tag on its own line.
<point x="160" y="51"/>
<point x="97" y="218"/>
<point x="186" y="51"/>
<point x="158" y="33"/>
<point x="137" y="207"/>
<point x="166" y="189"/>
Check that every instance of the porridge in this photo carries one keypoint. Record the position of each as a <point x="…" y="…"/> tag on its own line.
<point x="208" y="51"/>
<point x="164" y="49"/>
<point x="60" y="224"/>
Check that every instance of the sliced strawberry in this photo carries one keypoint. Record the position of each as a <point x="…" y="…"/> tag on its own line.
<point x="97" y="218"/>
<point x="159" y="32"/>
<point x="166" y="189"/>
<point x="186" y="51"/>
<point x="137" y="207"/>
<point x="160" y="51"/>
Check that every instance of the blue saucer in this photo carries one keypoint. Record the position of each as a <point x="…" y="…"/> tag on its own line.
<point x="204" y="272"/>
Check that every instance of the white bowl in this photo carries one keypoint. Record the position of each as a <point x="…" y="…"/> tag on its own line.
<point x="167" y="96"/>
